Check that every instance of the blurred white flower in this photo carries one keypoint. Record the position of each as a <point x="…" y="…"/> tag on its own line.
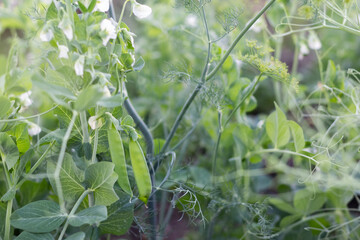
<point x="109" y="27"/>
<point x="191" y="20"/>
<point x="304" y="50"/>
<point x="65" y="26"/>
<point x="313" y="41"/>
<point x="25" y="99"/>
<point x="257" y="26"/>
<point x="79" y="66"/>
<point x="46" y="1"/>
<point x="140" y="10"/>
<point x="33" y="129"/>
<point x="102" y="5"/>
<point x="46" y="34"/>
<point x="63" y="51"/>
<point x="94" y="122"/>
<point x="106" y="92"/>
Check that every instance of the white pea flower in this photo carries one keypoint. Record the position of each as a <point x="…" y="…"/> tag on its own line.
<point x="25" y="99"/>
<point x="33" y="129"/>
<point x="304" y="50"/>
<point x="46" y="34"/>
<point x="106" y="92"/>
<point x="63" y="51"/>
<point x="140" y="10"/>
<point x="191" y="20"/>
<point x="94" y="122"/>
<point x="313" y="41"/>
<point x="65" y="26"/>
<point x="79" y="66"/>
<point x="109" y="27"/>
<point x="102" y="5"/>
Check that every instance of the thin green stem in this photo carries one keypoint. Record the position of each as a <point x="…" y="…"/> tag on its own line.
<point x="30" y="117"/>
<point x="96" y="138"/>
<point x="295" y="65"/>
<point x="37" y="164"/>
<point x="122" y="13"/>
<point x="194" y="93"/>
<point x="7" y="220"/>
<point x="9" y="205"/>
<point x="72" y="212"/>
<point x="247" y="94"/>
<point x="61" y="159"/>
<point x="217" y="146"/>
<point x="285" y="152"/>
<point x="237" y="39"/>
<point x="84" y="127"/>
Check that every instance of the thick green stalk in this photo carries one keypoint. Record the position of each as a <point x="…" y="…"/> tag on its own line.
<point x="247" y="94"/>
<point x="9" y="205"/>
<point x="61" y="159"/>
<point x="7" y="220"/>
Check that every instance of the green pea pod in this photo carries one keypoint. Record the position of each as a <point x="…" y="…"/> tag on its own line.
<point x="141" y="170"/>
<point x="118" y="158"/>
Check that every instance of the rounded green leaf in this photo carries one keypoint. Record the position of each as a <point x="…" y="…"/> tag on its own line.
<point x="5" y="105"/>
<point x="92" y="215"/>
<point x="38" y="217"/>
<point x="8" y="150"/>
<point x="277" y="128"/>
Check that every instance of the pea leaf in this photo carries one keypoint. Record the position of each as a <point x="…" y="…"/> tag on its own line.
<point x="89" y="216"/>
<point x="298" y="135"/>
<point x="100" y="177"/>
<point x="286" y="221"/>
<point x="5" y="106"/>
<point x="282" y="205"/>
<point x="120" y="216"/>
<point x="52" y="12"/>
<point x="277" y="128"/>
<point x="32" y="236"/>
<point x="22" y="137"/>
<point x="139" y="64"/>
<point x="127" y="60"/>
<point x="111" y="102"/>
<point x="38" y="217"/>
<point x="8" y="150"/>
<point x="306" y="201"/>
<point x="88" y="98"/>
<point x="70" y="178"/>
<point x="76" y="236"/>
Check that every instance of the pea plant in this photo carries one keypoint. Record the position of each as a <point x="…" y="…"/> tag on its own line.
<point x="79" y="160"/>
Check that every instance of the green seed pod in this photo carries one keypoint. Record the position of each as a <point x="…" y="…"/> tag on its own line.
<point x="141" y="170"/>
<point x="118" y="158"/>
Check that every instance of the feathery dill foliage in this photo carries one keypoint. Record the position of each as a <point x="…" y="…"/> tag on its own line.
<point x="213" y="95"/>
<point x="177" y="73"/>
<point x="229" y="19"/>
<point x="270" y="66"/>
